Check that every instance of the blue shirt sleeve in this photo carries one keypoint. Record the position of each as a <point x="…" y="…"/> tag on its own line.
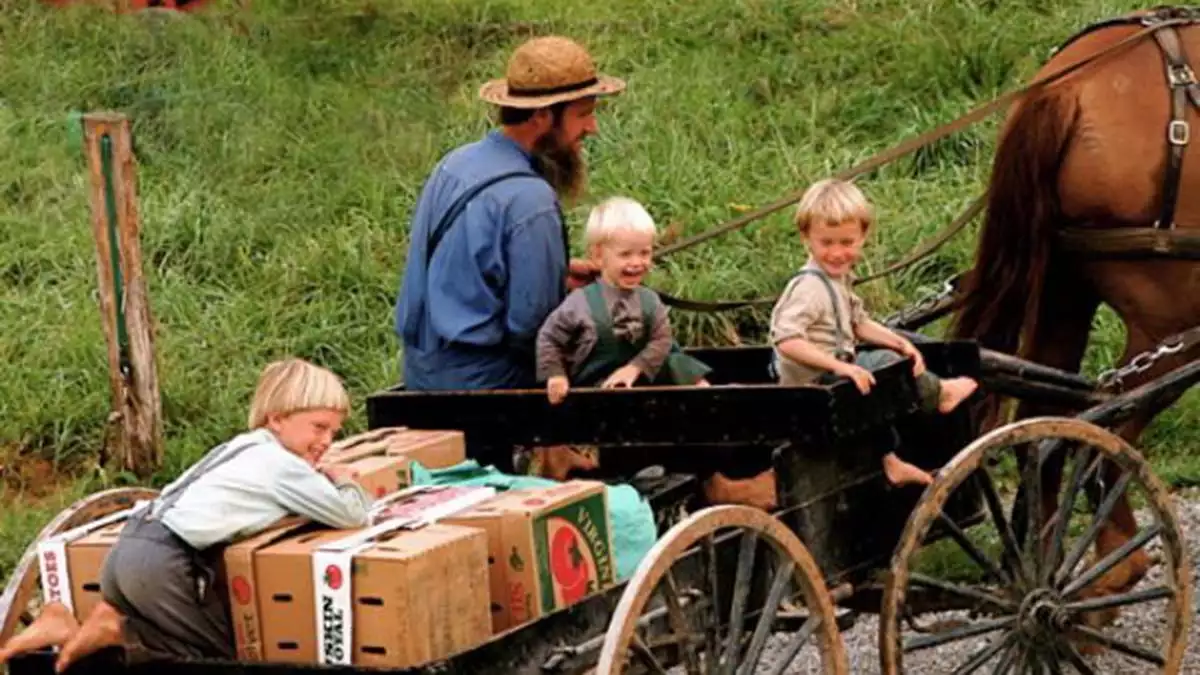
<point x="535" y="256"/>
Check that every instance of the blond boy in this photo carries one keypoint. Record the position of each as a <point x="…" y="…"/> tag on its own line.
<point x="157" y="583"/>
<point x="818" y="322"/>
<point x="614" y="332"/>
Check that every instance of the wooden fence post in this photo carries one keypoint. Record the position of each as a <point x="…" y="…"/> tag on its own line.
<point x="135" y="424"/>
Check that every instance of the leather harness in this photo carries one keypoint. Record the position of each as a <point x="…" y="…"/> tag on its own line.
<point x="1183" y="86"/>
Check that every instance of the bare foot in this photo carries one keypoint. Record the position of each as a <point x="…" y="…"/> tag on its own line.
<point x="54" y="626"/>
<point x="900" y="472"/>
<point x="954" y="391"/>
<point x="101" y="629"/>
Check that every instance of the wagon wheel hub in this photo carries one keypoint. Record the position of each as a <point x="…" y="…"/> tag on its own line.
<point x="1042" y="615"/>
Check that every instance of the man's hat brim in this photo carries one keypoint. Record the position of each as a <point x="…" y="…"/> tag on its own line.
<point x="498" y="92"/>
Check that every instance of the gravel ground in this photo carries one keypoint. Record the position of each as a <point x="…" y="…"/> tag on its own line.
<point x="1140" y="625"/>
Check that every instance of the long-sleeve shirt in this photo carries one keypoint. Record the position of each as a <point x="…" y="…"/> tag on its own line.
<point x="470" y="320"/>
<point x="264" y="483"/>
<point x="568" y="336"/>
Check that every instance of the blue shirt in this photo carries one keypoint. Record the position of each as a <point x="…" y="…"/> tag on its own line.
<point x="471" y="320"/>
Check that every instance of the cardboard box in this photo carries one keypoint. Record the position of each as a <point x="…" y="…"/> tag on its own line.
<point x="62" y="581"/>
<point x="366" y="444"/>
<point x="410" y="596"/>
<point x="548" y="548"/>
<point x="85" y="560"/>
<point x="429" y="503"/>
<point x="434" y="449"/>
<point x="381" y="475"/>
<point x="241" y="574"/>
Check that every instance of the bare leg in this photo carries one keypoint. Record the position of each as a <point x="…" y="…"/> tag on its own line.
<point x="954" y="391"/>
<point x="101" y="629"/>
<point x="54" y="626"/>
<point x="900" y="472"/>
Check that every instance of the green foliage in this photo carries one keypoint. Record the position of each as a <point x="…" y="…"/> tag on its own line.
<point x="281" y="149"/>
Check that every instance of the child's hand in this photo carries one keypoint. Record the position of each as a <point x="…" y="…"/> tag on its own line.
<point x="863" y="379"/>
<point x="556" y="389"/>
<point x="918" y="360"/>
<point x="624" y="376"/>
<point x="337" y="473"/>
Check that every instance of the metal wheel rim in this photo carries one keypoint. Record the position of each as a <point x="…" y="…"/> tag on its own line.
<point x="679" y="539"/>
<point x="23" y="583"/>
<point x="963" y="465"/>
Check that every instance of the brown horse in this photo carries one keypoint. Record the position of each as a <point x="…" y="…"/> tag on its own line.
<point x="1090" y="151"/>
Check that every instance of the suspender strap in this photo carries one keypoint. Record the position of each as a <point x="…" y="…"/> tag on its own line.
<point x="649" y="301"/>
<point x="839" y="335"/>
<point x="215" y="458"/>
<point x="448" y="219"/>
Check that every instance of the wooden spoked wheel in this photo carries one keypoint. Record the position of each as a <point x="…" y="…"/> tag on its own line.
<point x="21" y="593"/>
<point x="1033" y="604"/>
<point x="692" y="601"/>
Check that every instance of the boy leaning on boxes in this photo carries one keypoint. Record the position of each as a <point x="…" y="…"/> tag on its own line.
<point x="157" y="580"/>
<point x="430" y="572"/>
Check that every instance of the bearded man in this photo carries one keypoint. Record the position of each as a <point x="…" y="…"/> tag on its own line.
<point x="488" y="257"/>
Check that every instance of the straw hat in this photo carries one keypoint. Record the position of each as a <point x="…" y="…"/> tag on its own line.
<point x="548" y="70"/>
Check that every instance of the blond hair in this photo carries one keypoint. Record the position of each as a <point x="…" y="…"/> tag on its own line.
<point x="295" y="385"/>
<point x="832" y="201"/>
<point x="617" y="214"/>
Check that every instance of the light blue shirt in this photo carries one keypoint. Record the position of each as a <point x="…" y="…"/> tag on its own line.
<point x="471" y="320"/>
<point x="250" y="492"/>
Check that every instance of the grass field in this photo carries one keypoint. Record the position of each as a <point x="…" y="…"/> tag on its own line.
<point x="281" y="151"/>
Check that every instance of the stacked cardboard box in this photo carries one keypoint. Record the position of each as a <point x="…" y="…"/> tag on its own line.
<point x="69" y="564"/>
<point x="301" y="593"/>
<point x="548" y="548"/>
<point x="383" y="458"/>
<point x="438" y="571"/>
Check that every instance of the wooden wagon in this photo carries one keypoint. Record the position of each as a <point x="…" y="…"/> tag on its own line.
<point x="723" y="580"/>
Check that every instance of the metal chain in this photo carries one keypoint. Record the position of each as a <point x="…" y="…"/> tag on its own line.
<point x="1112" y="380"/>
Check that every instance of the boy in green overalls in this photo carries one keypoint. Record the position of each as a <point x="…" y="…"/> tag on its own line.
<point x="614" y="332"/>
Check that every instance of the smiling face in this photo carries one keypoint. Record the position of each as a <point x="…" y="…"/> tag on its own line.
<point x="624" y="258"/>
<point x="836" y="247"/>
<point x="308" y="433"/>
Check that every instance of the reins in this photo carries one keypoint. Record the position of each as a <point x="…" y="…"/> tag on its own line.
<point x="887" y="156"/>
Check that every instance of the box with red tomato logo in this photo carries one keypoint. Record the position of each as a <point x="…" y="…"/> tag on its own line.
<point x="241" y="583"/>
<point x="549" y="548"/>
<point x="384" y="596"/>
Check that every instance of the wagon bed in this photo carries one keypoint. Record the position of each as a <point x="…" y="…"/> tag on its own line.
<point x="840" y="535"/>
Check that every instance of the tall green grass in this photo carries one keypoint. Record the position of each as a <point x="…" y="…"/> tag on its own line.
<point x="281" y="150"/>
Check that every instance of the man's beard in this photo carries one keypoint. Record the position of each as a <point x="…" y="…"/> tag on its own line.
<point x="562" y="166"/>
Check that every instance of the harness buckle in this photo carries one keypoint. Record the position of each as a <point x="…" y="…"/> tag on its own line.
<point x="1180" y="75"/>
<point x="1178" y="132"/>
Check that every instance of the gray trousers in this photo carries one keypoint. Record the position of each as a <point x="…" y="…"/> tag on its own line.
<point x="168" y="594"/>
<point x="929" y="387"/>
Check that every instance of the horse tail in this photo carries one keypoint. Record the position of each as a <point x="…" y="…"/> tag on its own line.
<point x="1001" y="295"/>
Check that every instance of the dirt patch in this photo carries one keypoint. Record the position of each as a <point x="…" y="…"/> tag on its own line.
<point x="28" y="478"/>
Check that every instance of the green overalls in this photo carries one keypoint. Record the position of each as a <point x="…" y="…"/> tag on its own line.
<point x="609" y="354"/>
